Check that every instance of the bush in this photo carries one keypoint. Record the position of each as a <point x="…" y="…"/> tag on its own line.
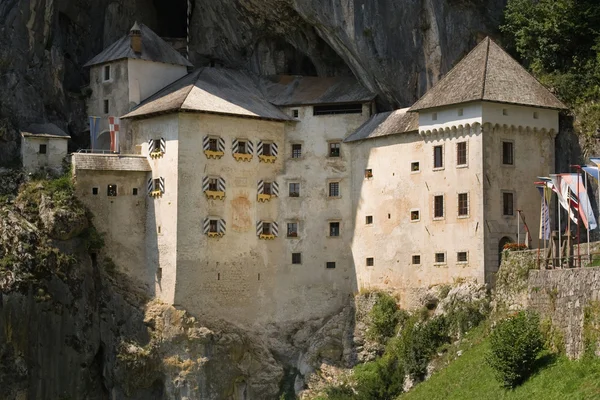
<point x="382" y="379"/>
<point x="515" y="345"/>
<point x="384" y="317"/>
<point x="420" y="342"/>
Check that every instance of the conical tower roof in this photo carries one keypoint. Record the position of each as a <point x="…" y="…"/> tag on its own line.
<point x="488" y="73"/>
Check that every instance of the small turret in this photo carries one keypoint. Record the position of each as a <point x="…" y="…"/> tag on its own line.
<point x="135" y="37"/>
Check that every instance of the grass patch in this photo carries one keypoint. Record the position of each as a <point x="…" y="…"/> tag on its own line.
<point x="469" y="377"/>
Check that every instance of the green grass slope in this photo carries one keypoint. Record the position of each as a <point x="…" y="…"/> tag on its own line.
<point x="469" y="377"/>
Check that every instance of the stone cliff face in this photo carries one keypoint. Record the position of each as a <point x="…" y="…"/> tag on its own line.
<point x="396" y="48"/>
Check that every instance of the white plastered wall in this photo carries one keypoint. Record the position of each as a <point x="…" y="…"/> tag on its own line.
<point x="148" y="77"/>
<point x="56" y="151"/>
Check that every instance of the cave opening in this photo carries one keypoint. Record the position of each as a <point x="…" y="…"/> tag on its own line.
<point x="171" y="18"/>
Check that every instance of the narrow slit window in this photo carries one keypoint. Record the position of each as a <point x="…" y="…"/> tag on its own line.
<point x="508" y="204"/>
<point x="107" y="73"/>
<point x="369" y="220"/>
<point x="438" y="157"/>
<point x="507" y="153"/>
<point x="438" y="206"/>
<point x="95" y="191"/>
<point x="135" y="191"/>
<point x="463" y="204"/>
<point x="353" y="108"/>
<point x="111" y="190"/>
<point x="106" y="108"/>
<point x="461" y="153"/>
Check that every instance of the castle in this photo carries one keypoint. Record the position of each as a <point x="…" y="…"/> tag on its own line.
<point x="273" y="199"/>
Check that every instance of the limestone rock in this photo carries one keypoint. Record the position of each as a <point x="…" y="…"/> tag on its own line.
<point x="61" y="223"/>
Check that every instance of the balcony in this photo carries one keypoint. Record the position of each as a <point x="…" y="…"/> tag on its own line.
<point x="267" y="159"/>
<point x="215" y="194"/>
<point x="242" y="156"/>
<point x="213" y="154"/>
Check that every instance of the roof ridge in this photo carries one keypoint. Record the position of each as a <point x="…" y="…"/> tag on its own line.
<point x="485" y="66"/>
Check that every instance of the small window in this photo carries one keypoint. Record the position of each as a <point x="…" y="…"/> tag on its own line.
<point x="135" y="191"/>
<point x="266" y="149"/>
<point x="94" y="191"/>
<point x="463" y="204"/>
<point x="415" y="215"/>
<point x="461" y="153"/>
<point x="438" y="206"/>
<point x="296" y="258"/>
<point x="292" y="229"/>
<point x="460" y="112"/>
<point x="369" y="220"/>
<point x="370" y="261"/>
<point x="213" y="184"/>
<point x="107" y="72"/>
<point x="43" y="149"/>
<point x="507" y="203"/>
<point x="330" y="265"/>
<point x="334" y="149"/>
<point x="213" y="226"/>
<point x="296" y="150"/>
<point x="266" y="228"/>
<point x="440" y="258"/>
<point x="213" y="144"/>
<point x="536" y="115"/>
<point x="507" y="153"/>
<point x="111" y="190"/>
<point x="414" y="166"/>
<point x="294" y="189"/>
<point x="156" y="183"/>
<point x="434" y="117"/>
<point x="504" y="111"/>
<point x="334" y="229"/>
<point x="267" y="188"/>
<point x="295" y="113"/>
<point x="416" y="259"/>
<point x="334" y="189"/>
<point x="438" y="156"/>
<point x="461" y="257"/>
<point x="106" y="109"/>
<point x="242" y="147"/>
<point x="368" y="173"/>
<point x="352" y="108"/>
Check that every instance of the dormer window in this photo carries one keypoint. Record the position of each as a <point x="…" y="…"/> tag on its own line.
<point x="106" y="73"/>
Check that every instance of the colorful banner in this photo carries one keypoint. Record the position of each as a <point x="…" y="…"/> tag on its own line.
<point x="94" y="128"/>
<point x="575" y="182"/>
<point x="591" y="171"/>
<point x="114" y="127"/>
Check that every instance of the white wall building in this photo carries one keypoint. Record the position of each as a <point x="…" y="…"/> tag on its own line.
<point x="43" y="146"/>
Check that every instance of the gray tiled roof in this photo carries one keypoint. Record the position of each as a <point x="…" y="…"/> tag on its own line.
<point x="110" y="162"/>
<point x="45" y="130"/>
<point x="153" y="49"/>
<point x="386" y="123"/>
<point x="488" y="73"/>
<point x="213" y="90"/>
<point x="286" y="90"/>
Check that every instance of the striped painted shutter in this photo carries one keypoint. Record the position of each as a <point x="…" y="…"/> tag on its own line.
<point x="274" y="189"/>
<point x="150" y="145"/>
<point x="274" y="149"/>
<point x="234" y="146"/>
<point x="150" y="186"/>
<point x="259" y="228"/>
<point x="163" y="145"/>
<point x="261" y="187"/>
<point x="206" y="143"/>
<point x="161" y="184"/>
<point x="221" y="226"/>
<point x="250" y="149"/>
<point x="205" y="183"/>
<point x="275" y="229"/>
<point x="221" y="184"/>
<point x="259" y="148"/>
<point x="221" y="144"/>
<point x="206" y="225"/>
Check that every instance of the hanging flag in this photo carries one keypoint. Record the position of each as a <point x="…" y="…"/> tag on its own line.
<point x="94" y="127"/>
<point x="581" y="200"/>
<point x="544" y="213"/>
<point x="114" y="127"/>
<point x="561" y="188"/>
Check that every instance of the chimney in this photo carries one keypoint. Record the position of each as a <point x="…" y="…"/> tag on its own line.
<point x="135" y="38"/>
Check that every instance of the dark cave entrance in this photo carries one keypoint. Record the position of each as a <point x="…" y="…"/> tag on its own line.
<point x="171" y="18"/>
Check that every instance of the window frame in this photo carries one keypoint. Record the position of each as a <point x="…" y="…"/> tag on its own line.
<point x="368" y="173"/>
<point x="213" y="222"/>
<point x="370" y="261"/>
<point x="267" y="228"/>
<point x="95" y="191"/>
<point x="330" y="265"/>
<point x="512" y="155"/>
<point x="368" y="220"/>
<point x="434" y="213"/>
<point x="106" y="69"/>
<point x="442" y="147"/>
<point x="244" y="143"/>
<point x="338" y="195"/>
<point x="109" y="190"/>
<point x="43" y="146"/>
<point x="418" y="211"/>
<point x="331" y="143"/>
<point x="211" y="140"/>
<point x="297" y="230"/>
<point x="297" y="261"/>
<point x="458" y="205"/>
<point x="466" y="261"/>
<point x="435" y="258"/>
<point x="296" y="194"/>
<point x="329" y="230"/>
<point x="213" y="187"/>
<point x="412" y="260"/>
<point x="134" y="191"/>
<point x="299" y="156"/>
<point x="106" y="106"/>
<point x="295" y="112"/>
<point x="415" y="171"/>
<point x="512" y="197"/>
<point x="466" y="154"/>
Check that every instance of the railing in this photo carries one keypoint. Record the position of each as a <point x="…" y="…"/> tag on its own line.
<point x="92" y="151"/>
<point x="573" y="261"/>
